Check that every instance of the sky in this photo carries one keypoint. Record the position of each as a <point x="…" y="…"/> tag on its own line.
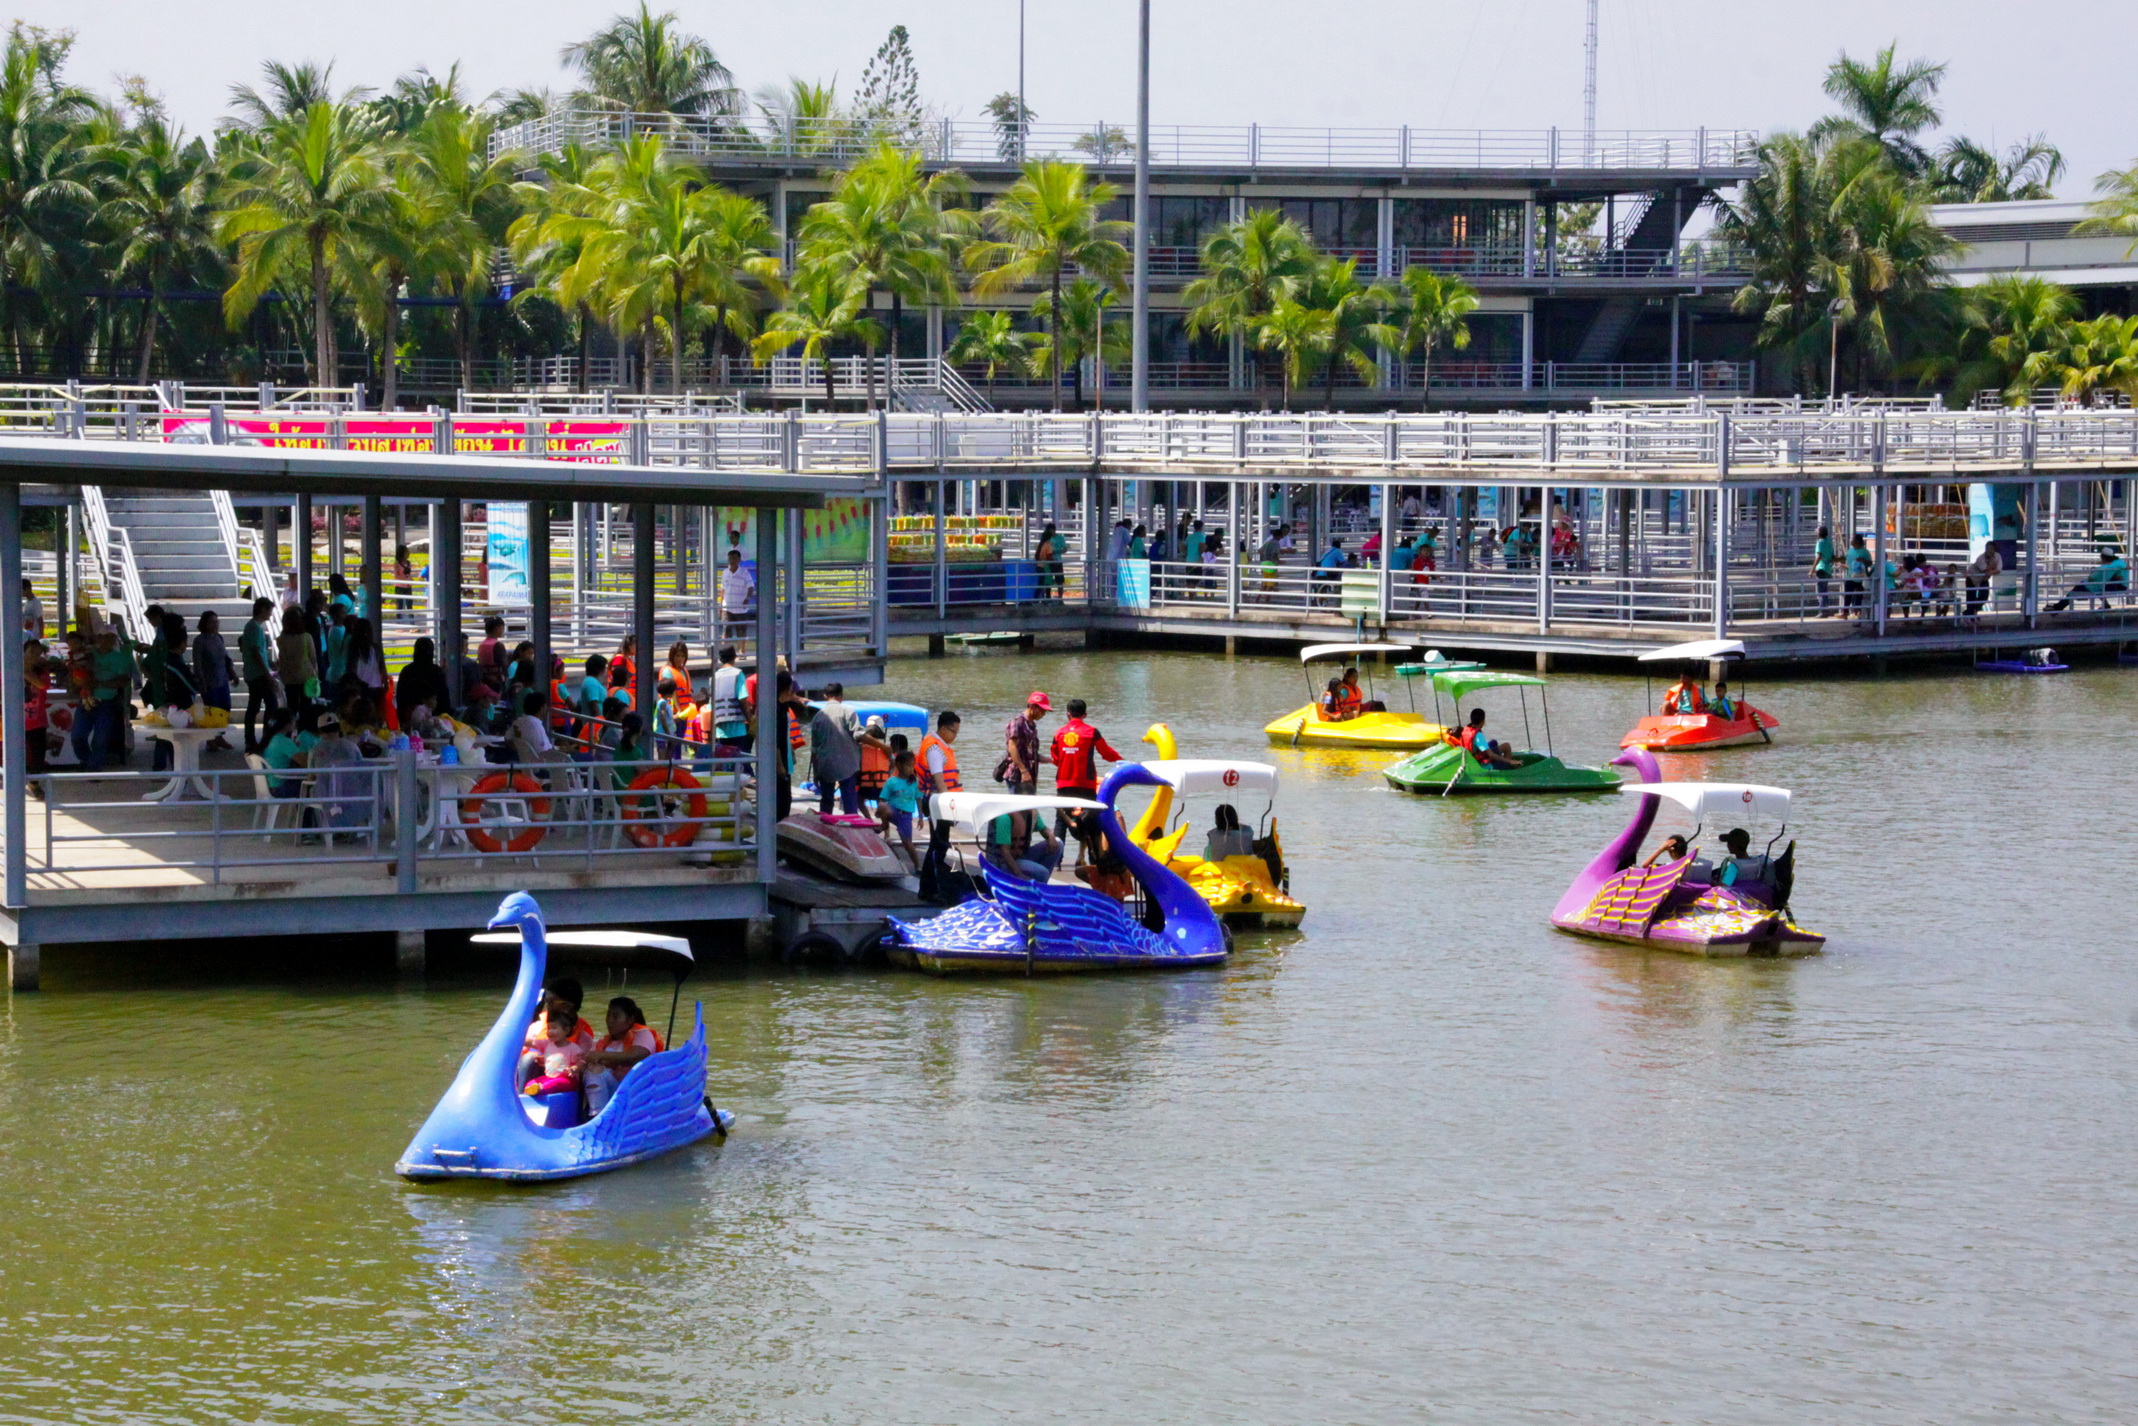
<point x="2017" y="67"/>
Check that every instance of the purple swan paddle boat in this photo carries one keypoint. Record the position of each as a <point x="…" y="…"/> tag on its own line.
<point x="1685" y="905"/>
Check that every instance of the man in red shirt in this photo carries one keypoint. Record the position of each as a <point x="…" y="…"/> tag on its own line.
<point x="1077" y="748"/>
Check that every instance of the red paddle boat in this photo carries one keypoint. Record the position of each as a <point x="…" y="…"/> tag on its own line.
<point x="1700" y="726"/>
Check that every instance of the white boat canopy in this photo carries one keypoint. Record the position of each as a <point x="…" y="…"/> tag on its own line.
<point x="977" y="809"/>
<point x="617" y="944"/>
<point x="1189" y="776"/>
<point x="1338" y="651"/>
<point x="1697" y="651"/>
<point x="1704" y="798"/>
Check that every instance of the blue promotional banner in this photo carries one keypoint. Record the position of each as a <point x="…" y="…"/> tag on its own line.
<point x="508" y="552"/>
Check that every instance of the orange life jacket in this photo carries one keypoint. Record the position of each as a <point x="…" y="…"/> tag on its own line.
<point x="949" y="781"/>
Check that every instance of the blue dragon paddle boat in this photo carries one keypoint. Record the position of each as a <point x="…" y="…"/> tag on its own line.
<point x="1029" y="927"/>
<point x="484" y="1127"/>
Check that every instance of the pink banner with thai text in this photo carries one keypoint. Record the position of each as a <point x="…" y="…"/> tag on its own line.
<point x="574" y="439"/>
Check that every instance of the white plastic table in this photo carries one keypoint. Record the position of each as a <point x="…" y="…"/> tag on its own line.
<point x="186" y="744"/>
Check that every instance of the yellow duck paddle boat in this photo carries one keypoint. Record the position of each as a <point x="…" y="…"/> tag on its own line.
<point x="1376" y="726"/>
<point x="1247" y="884"/>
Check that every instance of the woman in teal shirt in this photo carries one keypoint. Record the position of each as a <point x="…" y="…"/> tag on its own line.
<point x="1822" y="570"/>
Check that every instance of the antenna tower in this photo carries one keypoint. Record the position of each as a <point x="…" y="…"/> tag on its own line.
<point x="1588" y="86"/>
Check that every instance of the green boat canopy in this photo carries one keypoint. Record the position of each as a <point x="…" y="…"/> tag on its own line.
<point x="1456" y="685"/>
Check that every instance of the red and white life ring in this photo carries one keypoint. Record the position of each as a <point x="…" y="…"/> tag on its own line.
<point x="649" y="827"/>
<point x="471" y="811"/>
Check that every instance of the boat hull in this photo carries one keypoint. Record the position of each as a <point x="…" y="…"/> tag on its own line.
<point x="840" y="850"/>
<point x="1698" y="732"/>
<point x="1785" y="940"/>
<point x="1449" y="771"/>
<point x="1239" y="890"/>
<point x="1401" y="731"/>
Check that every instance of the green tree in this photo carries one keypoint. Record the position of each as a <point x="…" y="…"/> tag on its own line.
<point x="1084" y="332"/>
<point x="991" y="339"/>
<point x="43" y="200"/>
<point x="1784" y="220"/>
<point x="290" y="91"/>
<point x="465" y="202"/>
<point x="887" y="102"/>
<point x="2001" y="327"/>
<point x="1012" y="119"/>
<point x="885" y="226"/>
<point x="644" y="64"/>
<point x="1430" y="310"/>
<point x="306" y="199"/>
<point x="1964" y="171"/>
<point x="1886" y="274"/>
<point x="2116" y="210"/>
<point x="804" y="120"/>
<point x="1886" y="101"/>
<point x="1354" y="309"/>
<point x="1299" y="334"/>
<point x="2096" y="356"/>
<point x="1247" y="266"/>
<point x="155" y="204"/>
<point x="1045" y="223"/>
<point x="824" y="307"/>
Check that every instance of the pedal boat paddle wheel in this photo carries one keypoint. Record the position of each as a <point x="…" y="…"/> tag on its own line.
<point x="1683" y="905"/>
<point x="1698" y="732"/>
<point x="1020" y="926"/>
<point x="484" y="1127"/>
<point x="1388" y="728"/>
<point x="1250" y="885"/>
<point x="1449" y="769"/>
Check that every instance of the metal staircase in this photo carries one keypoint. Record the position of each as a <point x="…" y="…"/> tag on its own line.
<point x="927" y="385"/>
<point x="170" y="547"/>
<point x="1651" y="235"/>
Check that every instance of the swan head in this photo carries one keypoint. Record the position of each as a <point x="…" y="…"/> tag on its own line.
<point x="518" y="910"/>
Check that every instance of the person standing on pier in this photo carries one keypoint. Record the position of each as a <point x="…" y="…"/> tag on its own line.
<point x="738" y="598"/>
<point x="258" y="660"/>
<point x="1858" y="575"/>
<point x="731" y="720"/>
<point x="938" y="773"/>
<point x="1822" y="570"/>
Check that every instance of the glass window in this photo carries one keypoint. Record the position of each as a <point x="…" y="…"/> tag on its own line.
<point x="1458" y="223"/>
<point x="1334" y="222"/>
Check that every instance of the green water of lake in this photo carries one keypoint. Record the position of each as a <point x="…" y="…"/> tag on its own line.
<point x="1423" y="1160"/>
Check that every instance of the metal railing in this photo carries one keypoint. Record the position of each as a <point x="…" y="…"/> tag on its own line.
<point x="398" y="815"/>
<point x="1173" y="146"/>
<point x="112" y="553"/>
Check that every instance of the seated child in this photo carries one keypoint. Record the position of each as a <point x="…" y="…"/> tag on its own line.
<point x="562" y="1054"/>
<point x="565" y="994"/>
<point x="900" y="801"/>
<point x="629" y="1040"/>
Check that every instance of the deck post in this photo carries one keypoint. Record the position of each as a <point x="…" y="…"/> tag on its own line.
<point x="1722" y="561"/>
<point x="2029" y="592"/>
<point x="301" y="543"/>
<point x="1388" y="547"/>
<point x="410" y="953"/>
<point x="14" y="761"/>
<point x="1878" y="558"/>
<point x="22" y="966"/>
<point x="770" y="716"/>
<point x="642" y="609"/>
<point x="368" y="570"/>
<point x="445" y="593"/>
<point x="538" y="591"/>
<point x="1544" y="563"/>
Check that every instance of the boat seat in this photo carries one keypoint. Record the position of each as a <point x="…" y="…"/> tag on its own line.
<point x="1700" y="872"/>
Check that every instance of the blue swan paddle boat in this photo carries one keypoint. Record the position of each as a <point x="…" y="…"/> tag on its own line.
<point x="484" y="1127"/>
<point x="1030" y="927"/>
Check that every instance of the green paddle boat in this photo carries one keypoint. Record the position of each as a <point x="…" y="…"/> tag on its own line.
<point x="1450" y="768"/>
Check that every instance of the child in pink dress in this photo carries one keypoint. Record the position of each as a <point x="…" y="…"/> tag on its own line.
<point x="561" y="1051"/>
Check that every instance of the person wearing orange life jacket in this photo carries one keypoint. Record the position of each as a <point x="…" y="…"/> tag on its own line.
<point x="1684" y="697"/>
<point x="938" y="767"/>
<point x="629" y="1040"/>
<point x="1470" y="737"/>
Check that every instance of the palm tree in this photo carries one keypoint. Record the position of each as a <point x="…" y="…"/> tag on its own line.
<point x="291" y="89"/>
<point x="991" y="339"/>
<point x="545" y="242"/>
<point x="42" y="200"/>
<point x="393" y="251"/>
<point x="1047" y="222"/>
<point x="1966" y="172"/>
<point x="803" y="120"/>
<point x="1886" y="275"/>
<point x="2116" y="211"/>
<point x="1784" y="220"/>
<point x="1246" y="267"/>
<point x="464" y="202"/>
<point x="1887" y="102"/>
<point x="824" y="307"/>
<point x="643" y="64"/>
<point x="2100" y="355"/>
<point x="1299" y="334"/>
<point x="884" y="225"/>
<point x="155" y="204"/>
<point x="307" y="200"/>
<point x="1083" y="332"/>
<point x="2000" y="327"/>
<point x="1431" y="309"/>
<point x="1354" y="309"/>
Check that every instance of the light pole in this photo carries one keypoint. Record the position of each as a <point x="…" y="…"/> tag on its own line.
<point x="1020" y="81"/>
<point x="1834" y="309"/>
<point x="1139" y="335"/>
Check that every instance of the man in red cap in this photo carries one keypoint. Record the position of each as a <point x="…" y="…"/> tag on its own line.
<point x="1019" y="768"/>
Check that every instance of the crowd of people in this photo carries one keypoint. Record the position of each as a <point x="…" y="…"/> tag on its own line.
<point x="1917" y="587"/>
